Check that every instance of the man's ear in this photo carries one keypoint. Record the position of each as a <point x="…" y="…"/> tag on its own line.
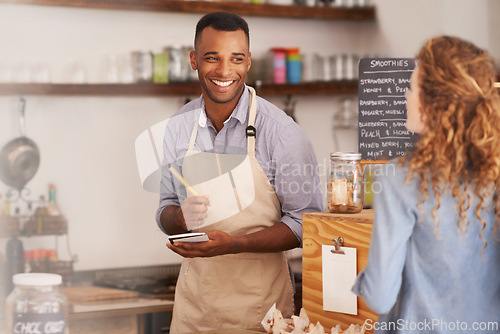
<point x="249" y="61"/>
<point x="192" y="57"/>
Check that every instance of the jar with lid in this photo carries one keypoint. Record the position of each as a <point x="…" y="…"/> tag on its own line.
<point x="36" y="305"/>
<point x="345" y="184"/>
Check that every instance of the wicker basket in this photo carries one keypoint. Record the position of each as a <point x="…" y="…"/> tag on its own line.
<point x="53" y="225"/>
<point x="9" y="226"/>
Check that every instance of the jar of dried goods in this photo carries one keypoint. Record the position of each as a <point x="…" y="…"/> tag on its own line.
<point x="36" y="305"/>
<point x="345" y="184"/>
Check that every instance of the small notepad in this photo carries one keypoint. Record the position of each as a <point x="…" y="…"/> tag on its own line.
<point x="339" y="274"/>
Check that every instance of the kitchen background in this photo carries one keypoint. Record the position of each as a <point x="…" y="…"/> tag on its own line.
<point x="87" y="142"/>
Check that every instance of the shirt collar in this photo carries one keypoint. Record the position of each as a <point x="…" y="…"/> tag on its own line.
<point x="240" y="112"/>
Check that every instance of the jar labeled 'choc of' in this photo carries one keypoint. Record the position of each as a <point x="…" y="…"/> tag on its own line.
<point x="345" y="184"/>
<point x="36" y="305"/>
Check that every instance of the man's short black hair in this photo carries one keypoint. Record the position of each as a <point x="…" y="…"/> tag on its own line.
<point x="222" y="21"/>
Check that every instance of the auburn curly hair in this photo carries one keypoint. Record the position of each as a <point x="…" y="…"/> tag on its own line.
<point x="460" y="147"/>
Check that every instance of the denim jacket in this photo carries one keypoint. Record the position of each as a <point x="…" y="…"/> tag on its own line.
<point x="427" y="278"/>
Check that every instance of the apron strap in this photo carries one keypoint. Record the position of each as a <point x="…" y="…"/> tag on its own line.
<point x="193" y="135"/>
<point x="250" y="131"/>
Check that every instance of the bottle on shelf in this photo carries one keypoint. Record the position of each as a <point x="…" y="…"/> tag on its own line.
<point x="6" y="205"/>
<point x="2" y="265"/>
<point x="52" y="207"/>
<point x="3" y="278"/>
<point x="15" y="261"/>
<point x="44" y="260"/>
<point x="28" y="260"/>
<point x="36" y="261"/>
<point x="52" y="255"/>
<point x="23" y="218"/>
<point x="40" y="213"/>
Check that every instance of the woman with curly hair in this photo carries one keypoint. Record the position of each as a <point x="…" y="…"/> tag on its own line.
<point x="434" y="262"/>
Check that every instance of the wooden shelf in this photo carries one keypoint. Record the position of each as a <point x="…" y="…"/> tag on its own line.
<point x="177" y="89"/>
<point x="146" y="89"/>
<point x="289" y="11"/>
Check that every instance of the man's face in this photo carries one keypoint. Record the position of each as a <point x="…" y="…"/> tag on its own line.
<point x="222" y="59"/>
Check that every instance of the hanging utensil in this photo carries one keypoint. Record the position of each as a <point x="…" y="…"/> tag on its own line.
<point x="20" y="157"/>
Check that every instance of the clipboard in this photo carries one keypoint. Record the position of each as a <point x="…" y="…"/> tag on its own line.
<point x="339" y="274"/>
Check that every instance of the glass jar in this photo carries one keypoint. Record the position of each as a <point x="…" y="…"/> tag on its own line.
<point x="142" y="65"/>
<point x="345" y="184"/>
<point x="178" y="62"/>
<point x="279" y="65"/>
<point x="36" y="305"/>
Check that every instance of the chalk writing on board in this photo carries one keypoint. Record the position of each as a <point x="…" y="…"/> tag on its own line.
<point x="382" y="132"/>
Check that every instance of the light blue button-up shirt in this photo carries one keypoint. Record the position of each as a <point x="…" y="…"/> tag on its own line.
<point x="424" y="281"/>
<point x="282" y="149"/>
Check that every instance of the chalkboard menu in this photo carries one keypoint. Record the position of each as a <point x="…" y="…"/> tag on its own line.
<point x="382" y="132"/>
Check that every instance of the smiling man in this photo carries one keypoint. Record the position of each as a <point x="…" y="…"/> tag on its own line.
<point x="241" y="155"/>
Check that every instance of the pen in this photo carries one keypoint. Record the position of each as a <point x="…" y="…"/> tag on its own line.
<point x="183" y="181"/>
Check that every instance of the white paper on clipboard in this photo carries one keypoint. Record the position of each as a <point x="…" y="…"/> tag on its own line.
<point x="339" y="274"/>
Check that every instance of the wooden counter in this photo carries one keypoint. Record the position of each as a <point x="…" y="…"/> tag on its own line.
<point x="231" y="331"/>
<point x="320" y="229"/>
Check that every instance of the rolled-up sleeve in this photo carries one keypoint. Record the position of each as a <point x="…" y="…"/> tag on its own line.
<point x="296" y="181"/>
<point x="395" y="217"/>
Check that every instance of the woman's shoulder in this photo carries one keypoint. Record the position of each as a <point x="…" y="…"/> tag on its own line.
<point x="395" y="173"/>
<point x="392" y="170"/>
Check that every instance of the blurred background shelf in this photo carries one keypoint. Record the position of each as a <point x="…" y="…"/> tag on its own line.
<point x="285" y="11"/>
<point x="147" y="89"/>
<point x="28" y="226"/>
<point x="188" y="88"/>
<point x="173" y="89"/>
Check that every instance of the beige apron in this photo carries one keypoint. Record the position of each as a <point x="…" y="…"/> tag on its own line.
<point x="234" y="290"/>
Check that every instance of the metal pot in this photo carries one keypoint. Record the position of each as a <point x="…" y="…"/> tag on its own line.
<point x="19" y="158"/>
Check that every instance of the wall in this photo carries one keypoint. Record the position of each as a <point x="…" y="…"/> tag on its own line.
<point x="494" y="30"/>
<point x="87" y="143"/>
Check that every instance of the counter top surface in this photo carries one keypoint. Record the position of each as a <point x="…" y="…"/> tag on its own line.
<point x="119" y="307"/>
<point x="365" y="216"/>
